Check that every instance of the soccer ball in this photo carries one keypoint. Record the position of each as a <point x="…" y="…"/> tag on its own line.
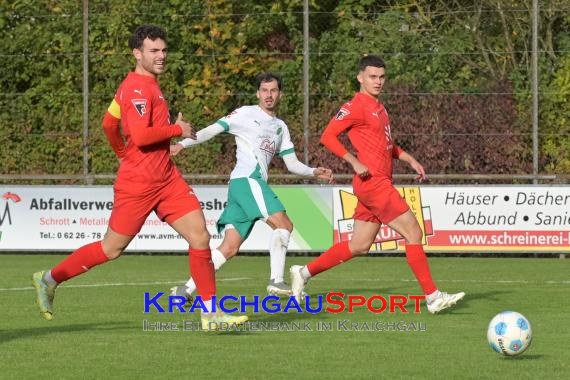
<point x="509" y="333"/>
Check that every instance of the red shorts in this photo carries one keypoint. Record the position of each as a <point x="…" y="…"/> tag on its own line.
<point x="378" y="200"/>
<point x="134" y="202"/>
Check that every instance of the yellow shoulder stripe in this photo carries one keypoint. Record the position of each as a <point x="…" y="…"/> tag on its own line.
<point x="115" y="109"/>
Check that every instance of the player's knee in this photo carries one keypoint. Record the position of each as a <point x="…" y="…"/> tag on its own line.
<point x="285" y="224"/>
<point x="281" y="220"/>
<point x="359" y="249"/>
<point x="288" y="225"/>
<point x="114" y="245"/>
<point x="360" y="252"/>
<point x="200" y="239"/>
<point x="113" y="253"/>
<point x="415" y="235"/>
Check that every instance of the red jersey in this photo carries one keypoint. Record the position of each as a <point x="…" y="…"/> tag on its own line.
<point x="368" y="127"/>
<point x="146" y="127"/>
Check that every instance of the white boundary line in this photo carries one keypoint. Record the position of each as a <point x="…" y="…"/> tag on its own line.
<point x="548" y="282"/>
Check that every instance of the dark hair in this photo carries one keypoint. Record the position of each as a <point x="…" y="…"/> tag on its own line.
<point x="267" y="77"/>
<point x="370" y="60"/>
<point x="143" y="32"/>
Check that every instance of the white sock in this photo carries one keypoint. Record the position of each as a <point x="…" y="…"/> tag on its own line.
<point x="432" y="296"/>
<point x="208" y="306"/>
<point x="49" y="279"/>
<point x="278" y="243"/>
<point x="305" y="273"/>
<point x="218" y="260"/>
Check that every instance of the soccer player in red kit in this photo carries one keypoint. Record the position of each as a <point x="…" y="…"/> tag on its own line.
<point x="366" y="122"/>
<point x="147" y="181"/>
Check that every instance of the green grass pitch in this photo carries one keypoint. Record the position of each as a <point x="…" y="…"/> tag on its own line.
<point x="98" y="329"/>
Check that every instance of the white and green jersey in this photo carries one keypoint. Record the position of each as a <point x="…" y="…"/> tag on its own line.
<point x="259" y="136"/>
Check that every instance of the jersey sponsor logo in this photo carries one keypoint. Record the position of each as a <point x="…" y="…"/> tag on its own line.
<point x="342" y="113"/>
<point x="161" y="97"/>
<point x="138" y="92"/>
<point x="375" y="114"/>
<point x="267" y="146"/>
<point x="140" y="106"/>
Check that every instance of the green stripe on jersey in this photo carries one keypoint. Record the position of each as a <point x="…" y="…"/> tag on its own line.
<point x="224" y="124"/>
<point x="256" y="173"/>
<point x="286" y="152"/>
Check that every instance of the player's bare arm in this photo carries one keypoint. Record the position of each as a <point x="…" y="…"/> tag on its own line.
<point x="175" y="149"/>
<point x="187" y="131"/>
<point x="418" y="168"/>
<point x="359" y="168"/>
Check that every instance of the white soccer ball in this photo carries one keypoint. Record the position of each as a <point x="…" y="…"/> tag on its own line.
<point x="509" y="333"/>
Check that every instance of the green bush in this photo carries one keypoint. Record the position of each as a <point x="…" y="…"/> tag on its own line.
<point x="438" y="64"/>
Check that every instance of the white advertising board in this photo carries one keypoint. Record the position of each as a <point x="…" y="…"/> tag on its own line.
<point x="475" y="218"/>
<point x="57" y="218"/>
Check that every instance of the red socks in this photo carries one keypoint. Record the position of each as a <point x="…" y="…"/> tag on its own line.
<point x="335" y="255"/>
<point x="90" y="255"/>
<point x="340" y="253"/>
<point x="202" y="271"/>
<point x="418" y="262"/>
<point x="79" y="262"/>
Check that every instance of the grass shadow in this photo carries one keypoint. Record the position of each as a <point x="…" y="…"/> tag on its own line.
<point x="9" y="335"/>
<point x="495" y="295"/>
<point x="524" y="357"/>
<point x="462" y="306"/>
